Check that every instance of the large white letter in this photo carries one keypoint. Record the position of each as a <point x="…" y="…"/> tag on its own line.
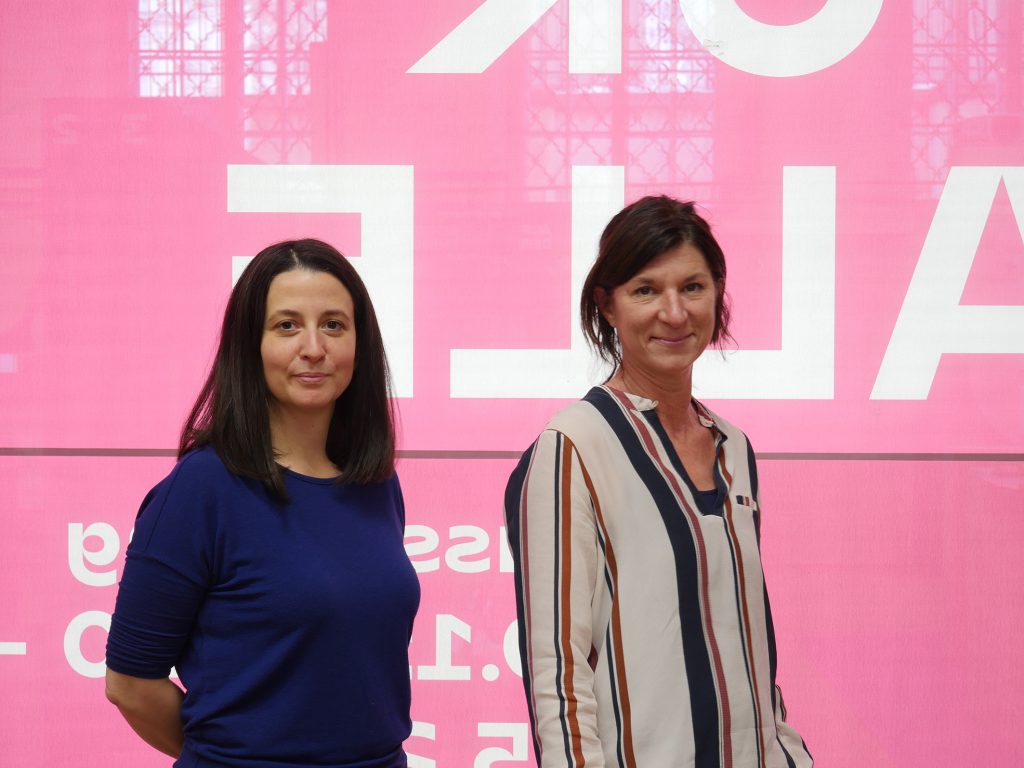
<point x="423" y="731"/>
<point x="597" y="195"/>
<point x="932" y="321"/>
<point x="803" y="369"/>
<point x="79" y="554"/>
<point x="73" y="643"/>
<point x="595" y="36"/>
<point x="771" y="50"/>
<point x="383" y="194"/>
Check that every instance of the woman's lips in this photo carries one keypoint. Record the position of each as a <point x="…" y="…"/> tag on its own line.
<point x="311" y="378"/>
<point x="672" y="340"/>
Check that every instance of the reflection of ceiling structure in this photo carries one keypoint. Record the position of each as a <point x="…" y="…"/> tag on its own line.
<point x="966" y="58"/>
<point x="966" y="62"/>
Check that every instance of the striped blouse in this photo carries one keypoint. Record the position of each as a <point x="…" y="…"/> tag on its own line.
<point x="644" y="625"/>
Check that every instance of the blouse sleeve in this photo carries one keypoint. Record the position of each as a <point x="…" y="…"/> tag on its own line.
<point x="553" y="537"/>
<point x="790" y="740"/>
<point x="166" y="573"/>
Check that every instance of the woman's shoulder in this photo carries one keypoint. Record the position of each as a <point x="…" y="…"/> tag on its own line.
<point x="579" y="413"/>
<point x="573" y="420"/>
<point x="198" y="476"/>
<point x="187" y="505"/>
<point x="201" y="459"/>
<point x="202" y="466"/>
<point x="583" y="422"/>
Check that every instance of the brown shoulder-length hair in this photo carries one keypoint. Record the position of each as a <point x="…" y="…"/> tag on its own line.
<point x="232" y="412"/>
<point x="635" y="236"/>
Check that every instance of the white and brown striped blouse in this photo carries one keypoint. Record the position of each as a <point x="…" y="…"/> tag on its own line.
<point x="644" y="624"/>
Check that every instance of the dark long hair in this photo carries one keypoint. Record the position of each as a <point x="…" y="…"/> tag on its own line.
<point x="635" y="236"/>
<point x="232" y="412"/>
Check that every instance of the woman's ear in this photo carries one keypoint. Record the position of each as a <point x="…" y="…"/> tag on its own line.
<point x="603" y="300"/>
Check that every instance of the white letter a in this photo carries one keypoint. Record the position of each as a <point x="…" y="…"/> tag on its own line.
<point x="932" y="321"/>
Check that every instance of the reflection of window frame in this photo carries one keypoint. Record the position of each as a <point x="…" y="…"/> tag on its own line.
<point x="180" y="45"/>
<point x="967" y="58"/>
<point x="255" y="50"/>
<point x="304" y="23"/>
<point x="573" y="119"/>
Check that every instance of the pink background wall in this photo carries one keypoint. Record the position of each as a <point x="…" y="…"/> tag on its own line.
<point x="870" y="198"/>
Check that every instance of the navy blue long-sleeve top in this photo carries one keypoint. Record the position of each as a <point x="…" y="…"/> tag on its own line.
<point x="288" y="624"/>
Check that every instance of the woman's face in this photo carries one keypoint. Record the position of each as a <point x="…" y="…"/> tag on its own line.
<point x="665" y="314"/>
<point x="309" y="341"/>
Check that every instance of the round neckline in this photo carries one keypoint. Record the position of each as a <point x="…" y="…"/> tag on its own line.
<point x="310" y="478"/>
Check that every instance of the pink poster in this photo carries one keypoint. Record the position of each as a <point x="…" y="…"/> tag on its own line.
<point x="861" y="161"/>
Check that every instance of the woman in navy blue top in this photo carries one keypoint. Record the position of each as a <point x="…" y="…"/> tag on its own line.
<point x="268" y="568"/>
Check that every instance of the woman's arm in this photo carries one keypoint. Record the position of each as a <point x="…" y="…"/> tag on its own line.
<point x="151" y="707"/>
<point x="166" y="577"/>
<point x="790" y="741"/>
<point x="551" y="528"/>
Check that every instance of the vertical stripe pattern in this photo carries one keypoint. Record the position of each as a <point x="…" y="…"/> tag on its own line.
<point x="644" y="625"/>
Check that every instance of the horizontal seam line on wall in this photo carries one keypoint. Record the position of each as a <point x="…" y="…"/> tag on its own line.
<point x="469" y="454"/>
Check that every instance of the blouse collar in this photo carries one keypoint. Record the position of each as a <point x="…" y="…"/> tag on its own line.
<point x="641" y="403"/>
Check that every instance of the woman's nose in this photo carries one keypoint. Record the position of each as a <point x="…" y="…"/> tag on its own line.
<point x="672" y="310"/>
<point x="312" y="346"/>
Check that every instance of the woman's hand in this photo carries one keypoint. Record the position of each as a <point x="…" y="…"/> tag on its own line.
<point x="151" y="707"/>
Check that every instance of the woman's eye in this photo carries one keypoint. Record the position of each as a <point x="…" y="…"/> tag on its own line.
<point x="644" y="290"/>
<point x="334" y="325"/>
<point x="287" y="325"/>
<point x="693" y="287"/>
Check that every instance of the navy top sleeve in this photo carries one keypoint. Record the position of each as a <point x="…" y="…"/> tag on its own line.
<point x="168" y="568"/>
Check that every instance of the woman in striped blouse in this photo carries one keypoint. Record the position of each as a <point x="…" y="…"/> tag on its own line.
<point x="644" y="625"/>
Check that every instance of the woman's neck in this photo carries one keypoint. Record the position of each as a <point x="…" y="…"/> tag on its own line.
<point x="300" y="442"/>
<point x="674" y="398"/>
